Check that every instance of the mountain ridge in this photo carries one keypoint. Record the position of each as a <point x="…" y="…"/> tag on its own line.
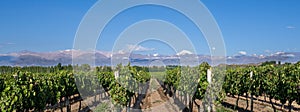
<point x="29" y="58"/>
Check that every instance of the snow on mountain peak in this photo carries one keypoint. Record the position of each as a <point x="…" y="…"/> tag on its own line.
<point x="156" y="54"/>
<point x="184" y="52"/>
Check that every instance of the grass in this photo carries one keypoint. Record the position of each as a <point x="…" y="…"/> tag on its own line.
<point x="158" y="75"/>
<point x="223" y="109"/>
<point x="103" y="107"/>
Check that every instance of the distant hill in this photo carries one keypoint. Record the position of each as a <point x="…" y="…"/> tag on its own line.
<point x="29" y="58"/>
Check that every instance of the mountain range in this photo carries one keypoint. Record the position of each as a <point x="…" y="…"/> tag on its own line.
<point x="29" y="58"/>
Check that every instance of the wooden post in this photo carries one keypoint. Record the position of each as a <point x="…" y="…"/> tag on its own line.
<point x="209" y="75"/>
<point x="116" y="73"/>
<point x="251" y="102"/>
<point x="209" y="80"/>
<point x="15" y="76"/>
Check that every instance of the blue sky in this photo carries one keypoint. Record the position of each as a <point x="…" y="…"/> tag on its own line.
<point x="253" y="26"/>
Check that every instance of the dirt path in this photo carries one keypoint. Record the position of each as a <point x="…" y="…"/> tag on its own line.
<point x="157" y="101"/>
<point x="259" y="105"/>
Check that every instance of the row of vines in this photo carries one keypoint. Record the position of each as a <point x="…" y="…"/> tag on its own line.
<point x="272" y="81"/>
<point x="38" y="88"/>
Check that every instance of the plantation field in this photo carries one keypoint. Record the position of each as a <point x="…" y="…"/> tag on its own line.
<point x="266" y="87"/>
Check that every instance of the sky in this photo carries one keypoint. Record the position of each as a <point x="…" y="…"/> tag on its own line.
<point x="248" y="26"/>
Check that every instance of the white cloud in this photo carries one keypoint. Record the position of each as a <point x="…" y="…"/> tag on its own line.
<point x="6" y="44"/>
<point x="290" y="27"/>
<point x="242" y="52"/>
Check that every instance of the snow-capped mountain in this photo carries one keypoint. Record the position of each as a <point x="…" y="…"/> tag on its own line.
<point x="29" y="58"/>
<point x="184" y="52"/>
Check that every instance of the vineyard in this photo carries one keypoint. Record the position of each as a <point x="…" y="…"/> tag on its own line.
<point x="56" y="88"/>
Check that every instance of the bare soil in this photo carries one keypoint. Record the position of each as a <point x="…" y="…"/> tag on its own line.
<point x="157" y="101"/>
